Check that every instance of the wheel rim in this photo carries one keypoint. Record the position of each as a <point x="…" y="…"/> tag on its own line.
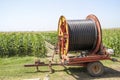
<point x="63" y="36"/>
<point x="96" y="69"/>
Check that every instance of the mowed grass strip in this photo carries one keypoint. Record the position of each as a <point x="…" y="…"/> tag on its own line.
<point x="13" y="69"/>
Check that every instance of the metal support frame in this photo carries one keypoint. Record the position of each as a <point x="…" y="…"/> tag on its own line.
<point x="78" y="61"/>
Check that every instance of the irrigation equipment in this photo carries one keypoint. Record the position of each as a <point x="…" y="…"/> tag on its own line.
<point x="85" y="37"/>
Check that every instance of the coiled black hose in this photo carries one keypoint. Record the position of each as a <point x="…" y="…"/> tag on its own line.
<point x="82" y="34"/>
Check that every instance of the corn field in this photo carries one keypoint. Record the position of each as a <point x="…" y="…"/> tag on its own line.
<point x="33" y="43"/>
<point x="50" y="37"/>
<point x="111" y="39"/>
<point x="21" y="44"/>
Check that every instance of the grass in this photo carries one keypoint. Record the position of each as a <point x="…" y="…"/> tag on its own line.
<point x="13" y="69"/>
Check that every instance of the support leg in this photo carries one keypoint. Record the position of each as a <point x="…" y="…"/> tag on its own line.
<point x="37" y="68"/>
<point x="50" y="67"/>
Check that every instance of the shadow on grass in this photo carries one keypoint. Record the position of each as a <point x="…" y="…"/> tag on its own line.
<point x="80" y="73"/>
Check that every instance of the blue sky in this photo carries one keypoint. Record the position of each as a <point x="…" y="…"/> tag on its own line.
<point x="43" y="15"/>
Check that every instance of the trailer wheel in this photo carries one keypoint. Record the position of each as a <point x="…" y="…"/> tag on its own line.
<point x="95" y="68"/>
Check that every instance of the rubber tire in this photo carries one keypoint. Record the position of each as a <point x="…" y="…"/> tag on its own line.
<point x="92" y="65"/>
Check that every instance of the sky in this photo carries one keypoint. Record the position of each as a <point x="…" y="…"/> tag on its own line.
<point x="43" y="15"/>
